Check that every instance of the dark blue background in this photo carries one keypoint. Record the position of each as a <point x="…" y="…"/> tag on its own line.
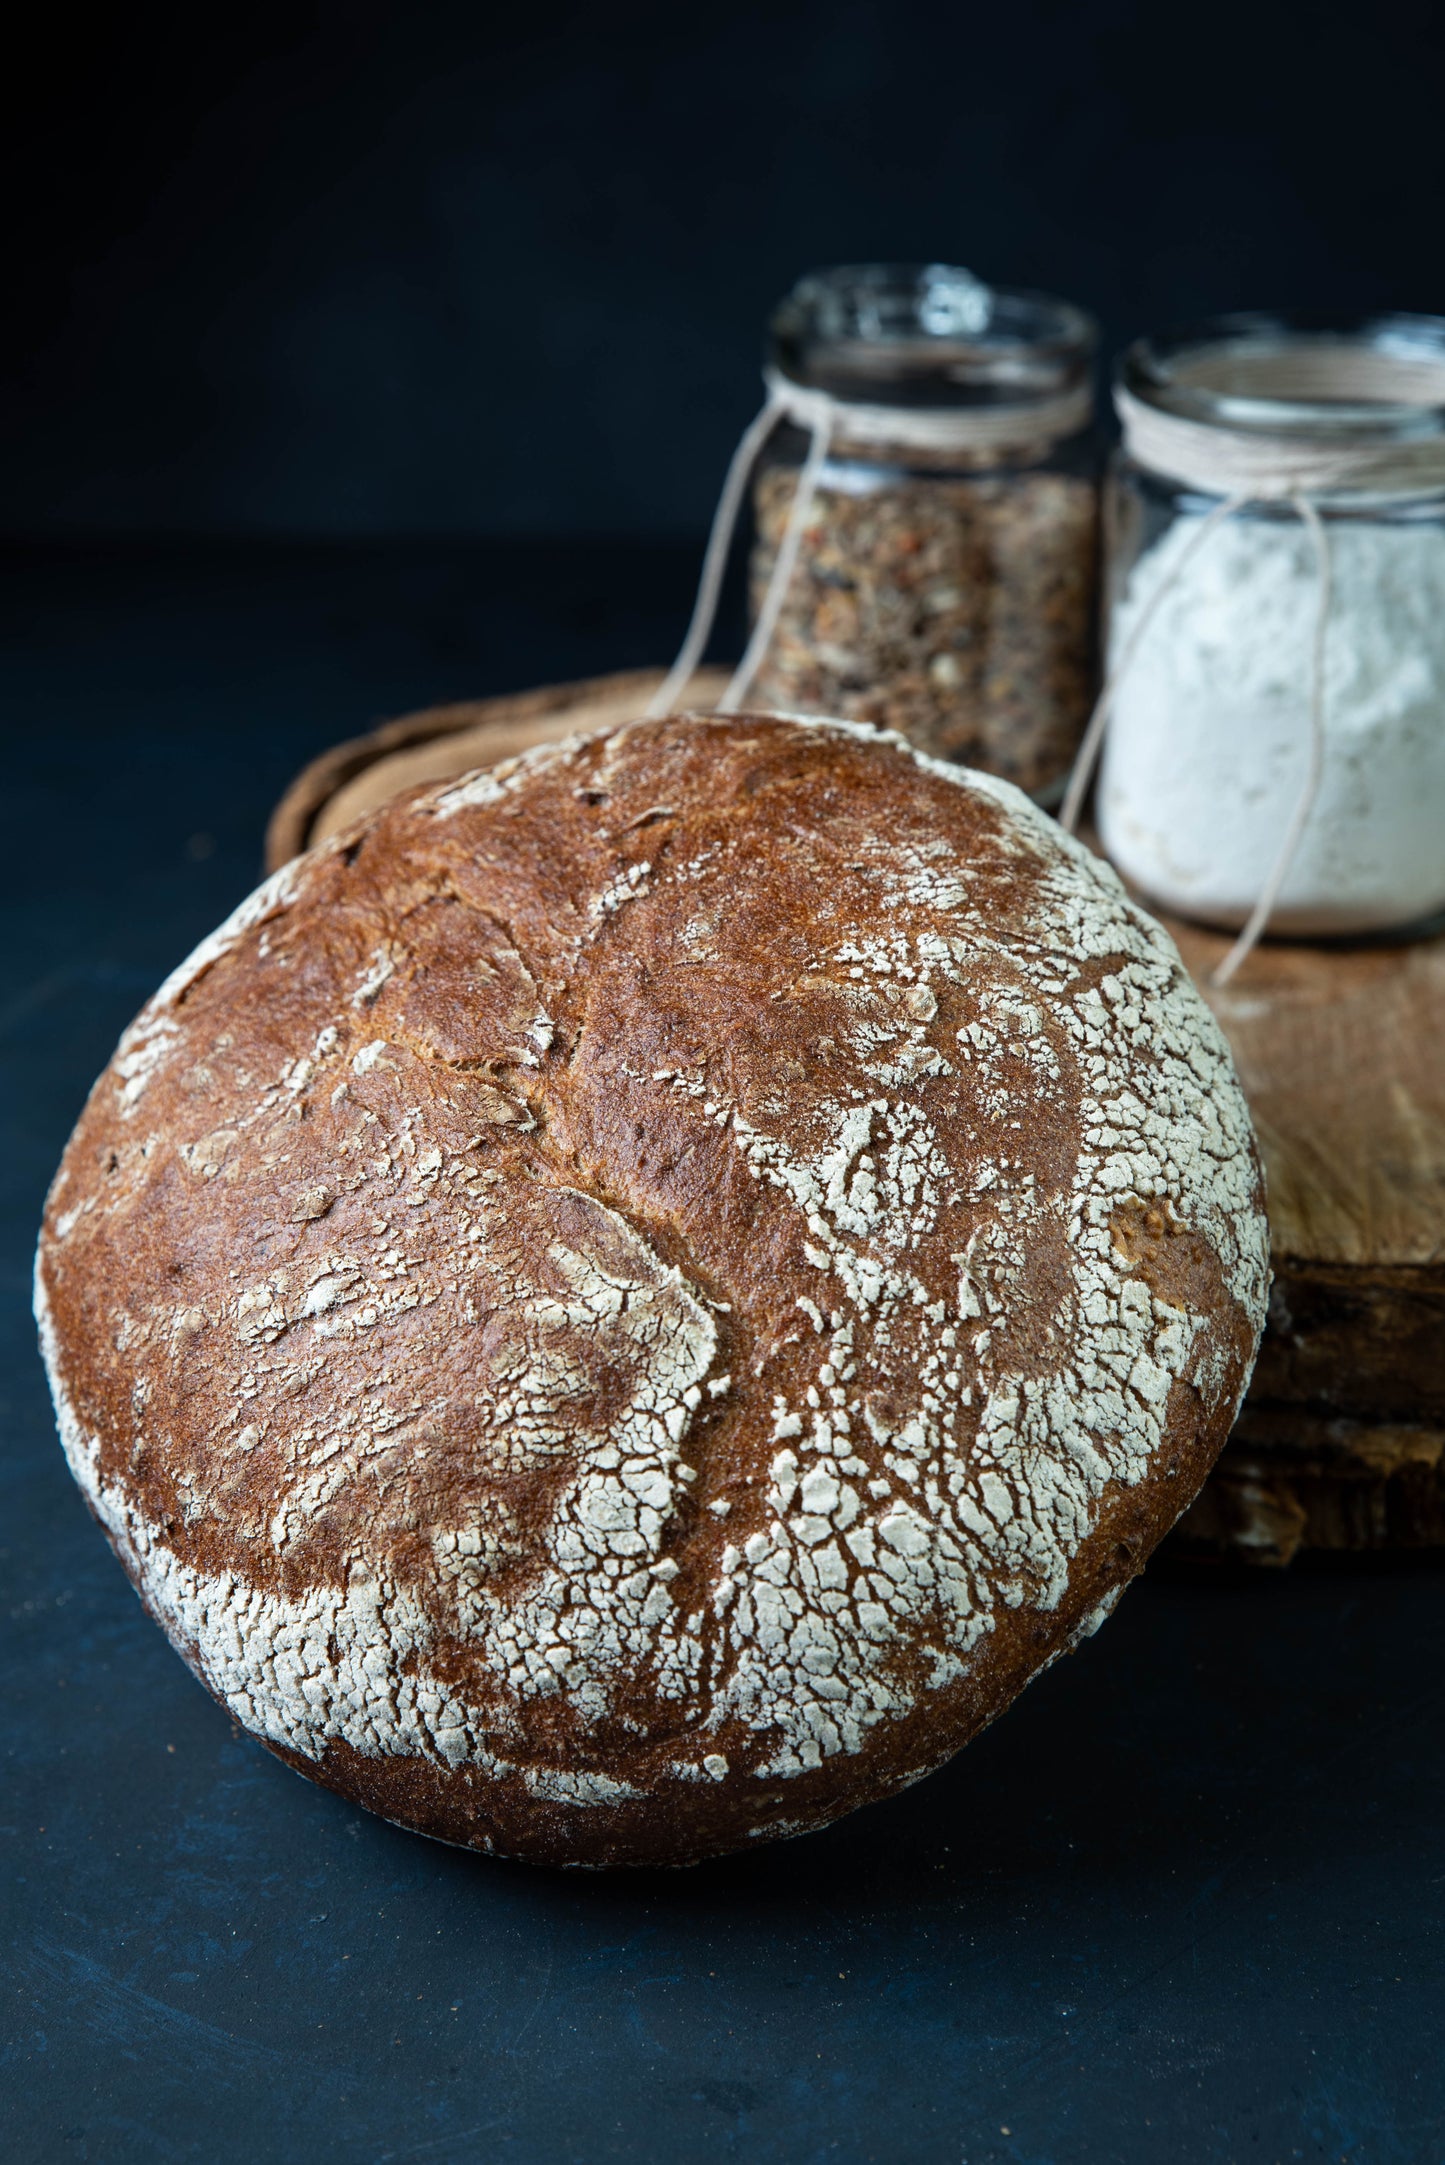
<point x="425" y="266"/>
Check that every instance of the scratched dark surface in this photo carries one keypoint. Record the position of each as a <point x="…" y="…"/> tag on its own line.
<point x="1183" y="1903"/>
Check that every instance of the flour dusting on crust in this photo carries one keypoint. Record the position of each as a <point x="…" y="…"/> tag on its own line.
<point x="650" y="1289"/>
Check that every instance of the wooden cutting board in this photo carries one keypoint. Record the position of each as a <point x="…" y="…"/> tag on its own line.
<point x="1341" y="1051"/>
<point x="1342" y="1056"/>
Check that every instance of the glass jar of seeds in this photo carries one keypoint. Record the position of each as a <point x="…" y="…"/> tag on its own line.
<point x="932" y="495"/>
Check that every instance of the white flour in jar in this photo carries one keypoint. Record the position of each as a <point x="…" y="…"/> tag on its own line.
<point x="1208" y="739"/>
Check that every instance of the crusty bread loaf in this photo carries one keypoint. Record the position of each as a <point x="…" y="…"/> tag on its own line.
<point x="629" y="1304"/>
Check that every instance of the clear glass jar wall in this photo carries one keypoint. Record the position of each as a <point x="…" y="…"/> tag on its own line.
<point x="949" y="592"/>
<point x="1209" y="736"/>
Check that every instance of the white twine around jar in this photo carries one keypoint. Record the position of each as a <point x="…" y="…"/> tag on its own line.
<point x="1243" y="467"/>
<point x="1010" y="426"/>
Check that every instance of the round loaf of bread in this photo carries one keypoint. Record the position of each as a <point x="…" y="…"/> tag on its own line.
<point x="627" y="1305"/>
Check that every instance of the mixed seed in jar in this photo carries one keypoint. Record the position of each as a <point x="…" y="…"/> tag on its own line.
<point x="957" y="609"/>
<point x="926" y="551"/>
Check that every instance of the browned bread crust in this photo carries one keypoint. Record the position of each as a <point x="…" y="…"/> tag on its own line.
<point x="630" y="1303"/>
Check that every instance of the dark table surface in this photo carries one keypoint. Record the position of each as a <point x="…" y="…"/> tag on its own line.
<point x="1185" y="1902"/>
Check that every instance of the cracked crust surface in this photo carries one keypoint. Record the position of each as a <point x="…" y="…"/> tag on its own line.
<point x="627" y="1305"/>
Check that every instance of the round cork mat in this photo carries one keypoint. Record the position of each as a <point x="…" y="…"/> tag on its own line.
<point x="1341" y="1443"/>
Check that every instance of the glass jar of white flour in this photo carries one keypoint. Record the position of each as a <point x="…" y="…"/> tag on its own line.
<point x="1274" y="721"/>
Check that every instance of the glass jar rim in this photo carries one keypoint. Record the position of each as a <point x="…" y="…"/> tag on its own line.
<point x="1372" y="379"/>
<point x="890" y="329"/>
